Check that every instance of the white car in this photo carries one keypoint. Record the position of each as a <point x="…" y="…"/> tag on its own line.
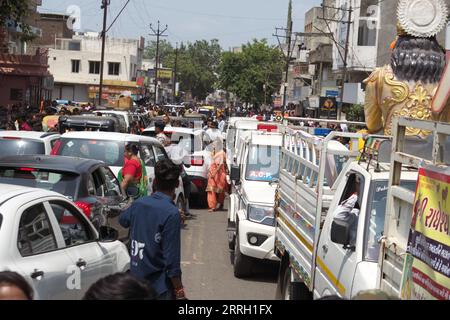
<point x="48" y="240"/>
<point x="15" y="143"/>
<point x="196" y="157"/>
<point x="109" y="147"/>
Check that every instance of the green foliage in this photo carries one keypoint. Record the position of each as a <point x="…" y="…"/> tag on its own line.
<point x="197" y="67"/>
<point x="17" y="11"/>
<point x="247" y="73"/>
<point x="355" y="113"/>
<point x="165" y="50"/>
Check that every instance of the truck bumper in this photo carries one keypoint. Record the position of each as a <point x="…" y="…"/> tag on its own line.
<point x="265" y="235"/>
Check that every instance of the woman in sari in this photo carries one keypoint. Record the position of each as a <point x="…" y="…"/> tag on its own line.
<point x="217" y="180"/>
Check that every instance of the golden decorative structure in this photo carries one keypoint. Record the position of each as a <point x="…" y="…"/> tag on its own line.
<point x="387" y="97"/>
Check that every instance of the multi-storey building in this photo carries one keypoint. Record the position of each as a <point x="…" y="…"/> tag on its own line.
<point x="75" y="64"/>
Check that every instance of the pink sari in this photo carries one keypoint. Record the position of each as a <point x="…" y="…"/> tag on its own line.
<point x="217" y="180"/>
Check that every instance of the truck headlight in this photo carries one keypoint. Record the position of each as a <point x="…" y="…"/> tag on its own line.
<point x="260" y="214"/>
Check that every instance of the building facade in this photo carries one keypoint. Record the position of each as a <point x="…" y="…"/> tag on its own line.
<point x="75" y="64"/>
<point x="24" y="78"/>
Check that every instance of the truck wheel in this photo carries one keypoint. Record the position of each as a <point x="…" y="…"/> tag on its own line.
<point x="231" y="237"/>
<point x="294" y="290"/>
<point x="242" y="263"/>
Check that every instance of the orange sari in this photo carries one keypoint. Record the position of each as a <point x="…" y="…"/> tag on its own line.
<point x="217" y="180"/>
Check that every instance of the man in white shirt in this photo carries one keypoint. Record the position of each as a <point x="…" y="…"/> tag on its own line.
<point x="222" y="124"/>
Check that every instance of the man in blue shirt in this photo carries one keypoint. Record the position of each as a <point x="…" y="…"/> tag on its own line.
<point x="155" y="234"/>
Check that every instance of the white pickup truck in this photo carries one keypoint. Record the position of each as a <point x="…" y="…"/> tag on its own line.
<point x="251" y="217"/>
<point x="330" y="209"/>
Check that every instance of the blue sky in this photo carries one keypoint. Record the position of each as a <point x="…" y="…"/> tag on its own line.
<point x="233" y="22"/>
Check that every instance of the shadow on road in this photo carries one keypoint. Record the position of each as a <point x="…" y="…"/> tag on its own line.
<point x="263" y="271"/>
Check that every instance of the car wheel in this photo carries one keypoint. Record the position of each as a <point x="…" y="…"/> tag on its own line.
<point x="242" y="263"/>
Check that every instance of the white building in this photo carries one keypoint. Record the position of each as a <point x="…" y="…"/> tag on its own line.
<point x="363" y="40"/>
<point x="75" y="64"/>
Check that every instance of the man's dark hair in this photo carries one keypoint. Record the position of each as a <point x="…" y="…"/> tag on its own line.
<point x="160" y="125"/>
<point x="418" y="59"/>
<point x="131" y="147"/>
<point x="166" y="175"/>
<point x="120" y="286"/>
<point x="14" y="279"/>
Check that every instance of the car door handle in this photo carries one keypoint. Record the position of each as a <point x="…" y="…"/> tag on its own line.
<point x="37" y="274"/>
<point x="325" y="249"/>
<point x="81" y="264"/>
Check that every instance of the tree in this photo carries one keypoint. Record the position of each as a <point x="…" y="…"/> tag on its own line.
<point x="165" y="50"/>
<point x="197" y="67"/>
<point x="16" y="11"/>
<point x="254" y="74"/>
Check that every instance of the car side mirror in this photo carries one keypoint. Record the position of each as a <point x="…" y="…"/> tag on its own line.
<point x="108" y="234"/>
<point x="235" y="174"/>
<point x="340" y="232"/>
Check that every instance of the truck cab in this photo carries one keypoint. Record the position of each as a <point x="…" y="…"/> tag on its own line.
<point x="330" y="209"/>
<point x="251" y="217"/>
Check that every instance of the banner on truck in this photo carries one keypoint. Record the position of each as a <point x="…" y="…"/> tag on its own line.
<point x="426" y="273"/>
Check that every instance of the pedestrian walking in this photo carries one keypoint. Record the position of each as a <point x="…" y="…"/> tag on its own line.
<point x="155" y="237"/>
<point x="217" y="181"/>
<point x="132" y="176"/>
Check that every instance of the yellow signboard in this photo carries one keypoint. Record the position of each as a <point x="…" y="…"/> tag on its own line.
<point x="426" y="274"/>
<point x="164" y="74"/>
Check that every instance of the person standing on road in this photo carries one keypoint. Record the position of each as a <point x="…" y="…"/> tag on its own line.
<point x="159" y="130"/>
<point x="222" y="123"/>
<point x="217" y="181"/>
<point x="155" y="237"/>
<point x="132" y="174"/>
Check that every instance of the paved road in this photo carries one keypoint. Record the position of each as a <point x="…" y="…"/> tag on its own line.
<point x="207" y="268"/>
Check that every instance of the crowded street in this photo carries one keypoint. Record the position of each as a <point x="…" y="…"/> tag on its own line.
<point x="147" y="155"/>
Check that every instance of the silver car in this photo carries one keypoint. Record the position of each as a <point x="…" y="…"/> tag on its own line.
<point x="49" y="241"/>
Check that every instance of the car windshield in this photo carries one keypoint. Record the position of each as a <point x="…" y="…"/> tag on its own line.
<point x="110" y="152"/>
<point x="20" y="147"/>
<point x="263" y="163"/>
<point x="61" y="182"/>
<point x="377" y="210"/>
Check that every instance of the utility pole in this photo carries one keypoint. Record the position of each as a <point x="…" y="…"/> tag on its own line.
<point x="105" y="4"/>
<point x="344" y="71"/>
<point x="346" y="47"/>
<point x="288" y="56"/>
<point x="158" y="34"/>
<point x="175" y="74"/>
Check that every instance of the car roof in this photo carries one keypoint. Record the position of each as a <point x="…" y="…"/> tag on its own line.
<point x="178" y="130"/>
<point x="108" y="136"/>
<point x="27" y="134"/>
<point x="54" y="163"/>
<point x="10" y="191"/>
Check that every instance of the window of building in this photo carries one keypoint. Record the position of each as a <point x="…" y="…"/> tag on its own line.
<point x="94" y="67"/>
<point x="113" y="68"/>
<point x="16" y="95"/>
<point x="74" y="45"/>
<point x="75" y="66"/>
<point x="367" y="34"/>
